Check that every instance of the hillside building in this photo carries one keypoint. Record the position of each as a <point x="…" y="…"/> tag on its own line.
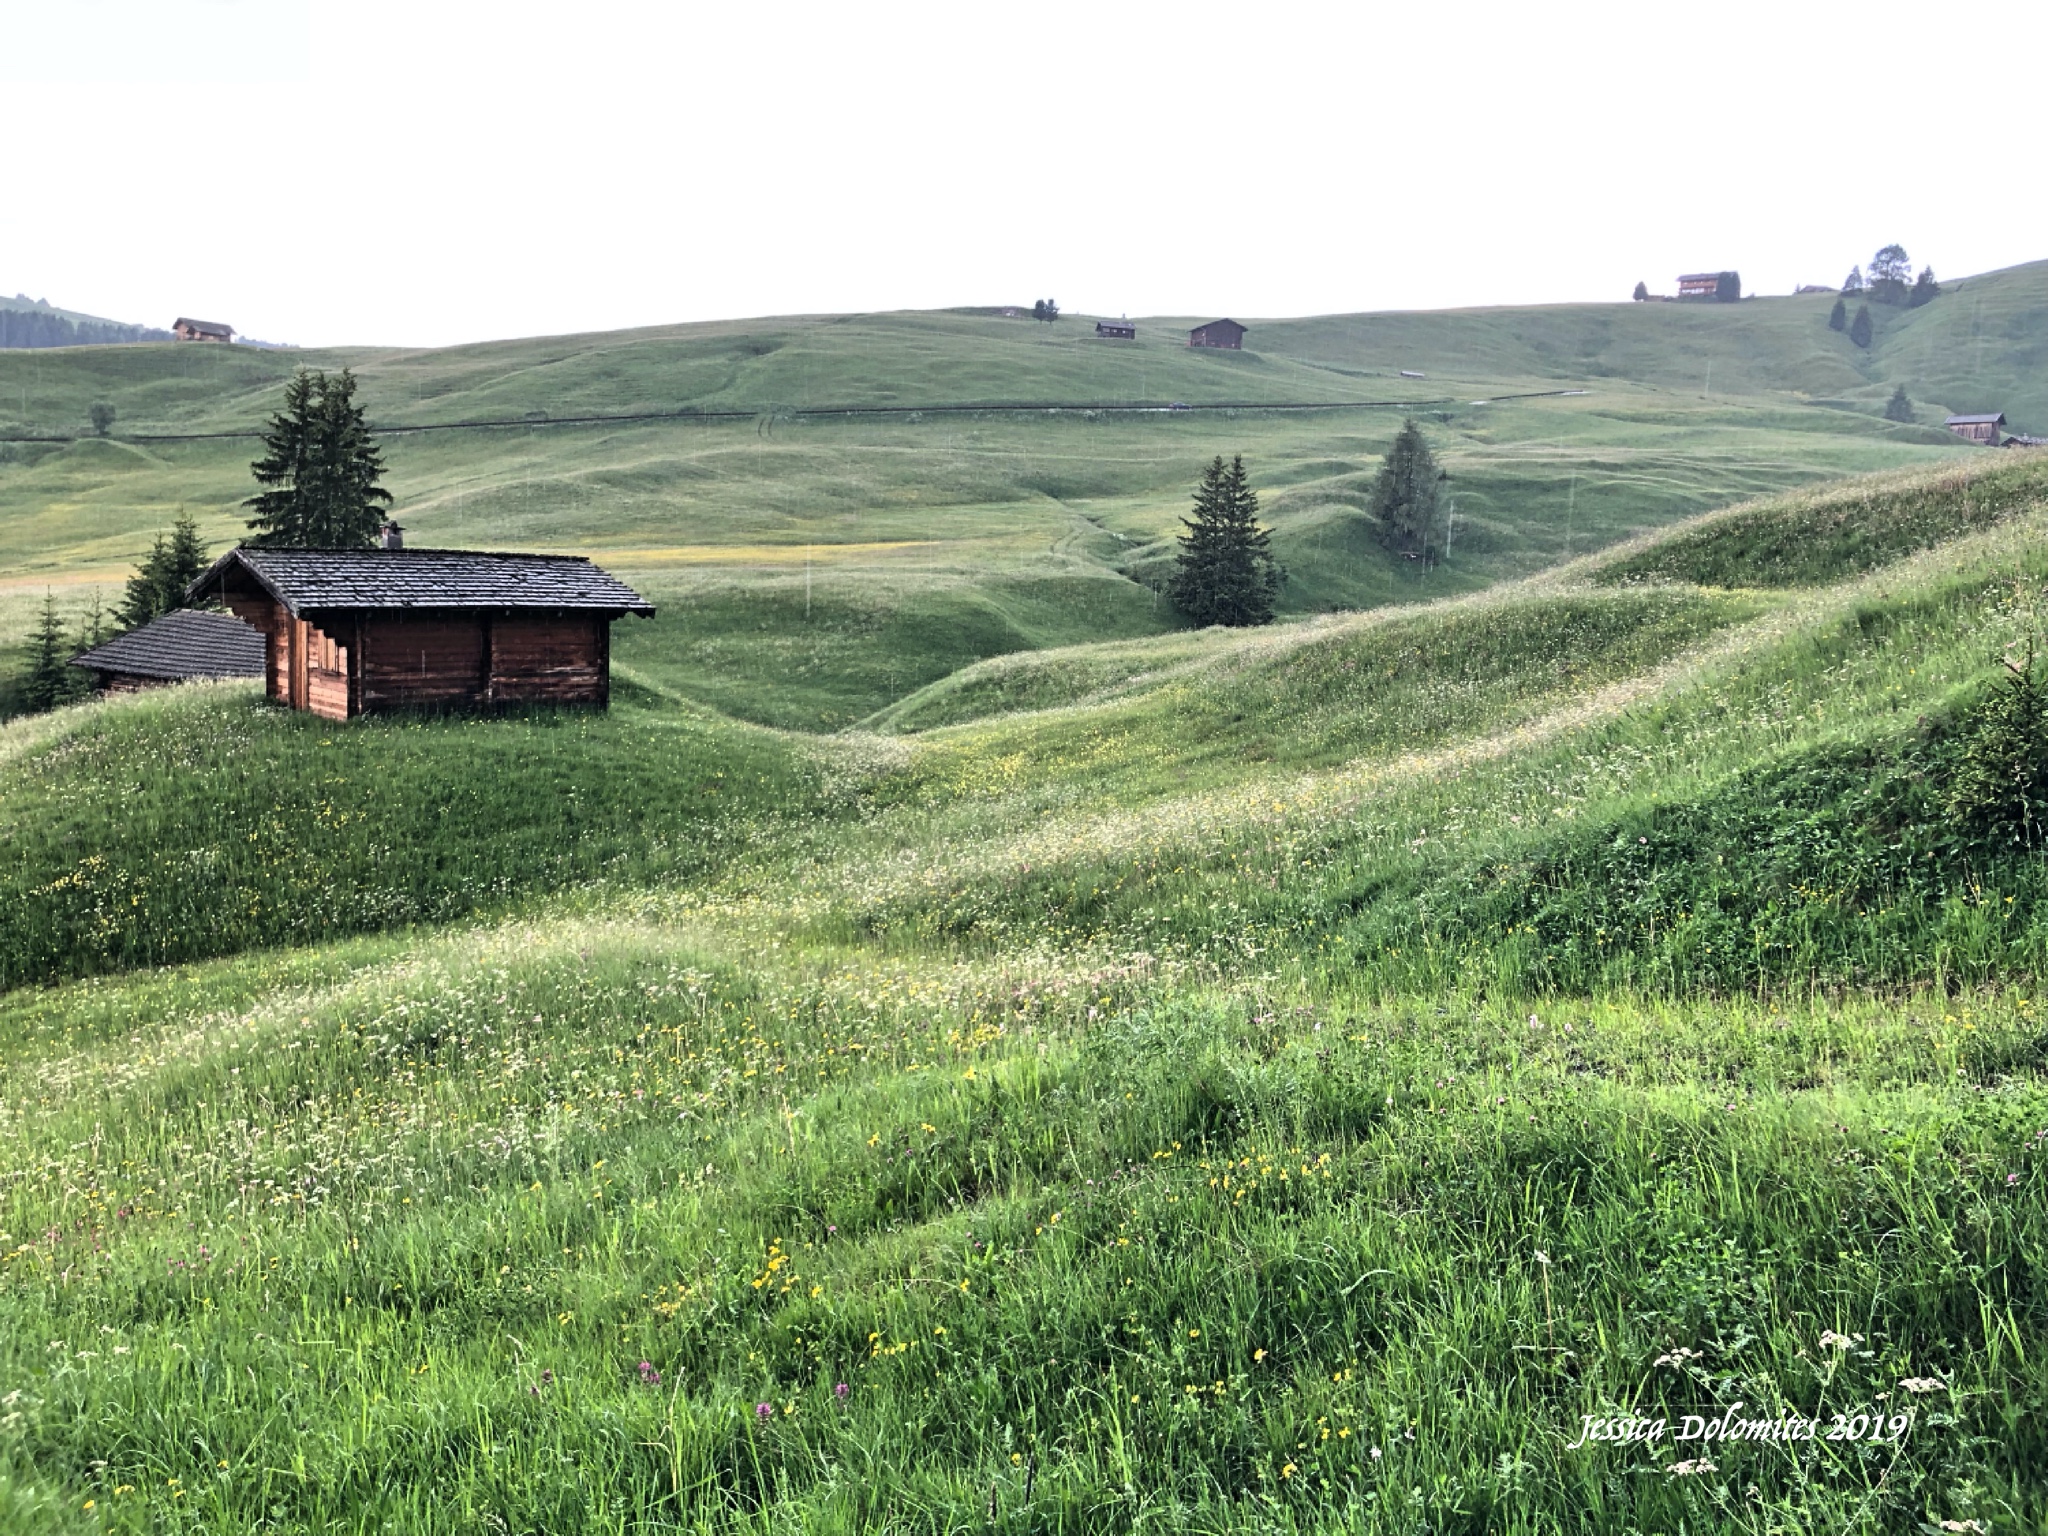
<point x="1724" y="286"/>
<point x="350" y="632"/>
<point x="1116" y="330"/>
<point x="183" y="646"/>
<point x="201" y="330"/>
<point x="1218" y="333"/>
<point x="1977" y="429"/>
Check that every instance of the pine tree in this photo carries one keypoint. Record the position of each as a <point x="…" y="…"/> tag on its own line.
<point x="1852" y="285"/>
<point x="1925" y="288"/>
<point x="1404" y="498"/>
<point x="1898" y="408"/>
<point x="322" y="469"/>
<point x="49" y="681"/>
<point x="1642" y="292"/>
<point x="159" y="583"/>
<point x="1225" y="573"/>
<point x="1859" y="328"/>
<point x="1838" y="317"/>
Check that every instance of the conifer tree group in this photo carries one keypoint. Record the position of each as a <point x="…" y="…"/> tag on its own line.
<point x="322" y="469"/>
<point x="1406" y="500"/>
<point x="159" y="583"/>
<point x="1225" y="573"/>
<point x="51" y="679"/>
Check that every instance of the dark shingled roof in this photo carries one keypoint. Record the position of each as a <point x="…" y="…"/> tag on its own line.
<point x="186" y="642"/>
<point x="1990" y="419"/>
<point x="304" y="579"/>
<point x="204" y="327"/>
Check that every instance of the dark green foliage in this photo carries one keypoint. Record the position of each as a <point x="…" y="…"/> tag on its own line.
<point x="1852" y="285"/>
<point x="1406" y="497"/>
<point x="1859" y="328"/>
<point x="1925" y="289"/>
<point x="1728" y="288"/>
<point x="50" y="681"/>
<point x="1898" y="408"/>
<point x="101" y="415"/>
<point x="1834" y="535"/>
<point x="1838" y="317"/>
<point x="1225" y="572"/>
<point x="1642" y="292"/>
<point x="1047" y="310"/>
<point x="43" y="328"/>
<point x="1998" y="784"/>
<point x="1889" y="270"/>
<point x="322" y="468"/>
<point x="159" y="583"/>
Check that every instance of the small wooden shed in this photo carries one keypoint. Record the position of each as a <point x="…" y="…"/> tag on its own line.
<point x="353" y="631"/>
<point x="1977" y="429"/>
<point x="1218" y="333"/>
<point x="181" y="647"/>
<point x="1118" y="330"/>
<point x="201" y="330"/>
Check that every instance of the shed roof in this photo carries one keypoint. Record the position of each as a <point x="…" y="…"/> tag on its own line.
<point x="210" y="327"/>
<point x="186" y="642"/>
<point x="1987" y="419"/>
<point x="304" y="579"/>
<point x="1220" y="324"/>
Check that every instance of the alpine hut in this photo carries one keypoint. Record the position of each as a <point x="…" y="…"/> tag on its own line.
<point x="352" y="631"/>
<point x="1980" y="428"/>
<point x="1218" y="333"/>
<point x="183" y="646"/>
<point x="186" y="329"/>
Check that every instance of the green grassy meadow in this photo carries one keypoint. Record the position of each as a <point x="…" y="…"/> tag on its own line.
<point x="951" y="1050"/>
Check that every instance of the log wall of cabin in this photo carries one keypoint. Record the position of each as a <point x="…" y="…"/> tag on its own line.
<point x="421" y="660"/>
<point x="543" y="659"/>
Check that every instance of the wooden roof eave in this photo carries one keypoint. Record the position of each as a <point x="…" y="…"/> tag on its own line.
<point x="219" y="568"/>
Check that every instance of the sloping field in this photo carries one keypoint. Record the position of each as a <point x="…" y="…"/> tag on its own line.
<point x="1217" y="1083"/>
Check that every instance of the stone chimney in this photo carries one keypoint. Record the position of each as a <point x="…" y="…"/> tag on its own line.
<point x="391" y="536"/>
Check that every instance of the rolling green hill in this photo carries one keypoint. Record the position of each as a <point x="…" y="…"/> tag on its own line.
<point x="952" y="1050"/>
<point x="814" y="569"/>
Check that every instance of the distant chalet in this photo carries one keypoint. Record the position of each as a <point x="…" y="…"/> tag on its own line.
<point x="201" y="330"/>
<point x="1117" y="330"/>
<point x="1724" y="286"/>
<point x="183" y="646"/>
<point x="1977" y="429"/>
<point x="353" y="631"/>
<point x="1218" y="333"/>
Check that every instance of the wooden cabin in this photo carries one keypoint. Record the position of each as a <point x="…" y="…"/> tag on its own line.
<point x="201" y="330"/>
<point x="183" y="646"/>
<point x="353" y="631"/>
<point x="1977" y="429"/>
<point x="1118" y="330"/>
<point x="1218" y="333"/>
<point x="1699" y="285"/>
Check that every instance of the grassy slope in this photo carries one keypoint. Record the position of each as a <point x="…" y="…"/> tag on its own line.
<point x="1112" y="1132"/>
<point x="940" y="541"/>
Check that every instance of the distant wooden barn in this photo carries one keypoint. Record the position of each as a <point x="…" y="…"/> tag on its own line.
<point x="353" y="631"/>
<point x="1218" y="333"/>
<point x="1119" y="330"/>
<point x="201" y="330"/>
<point x="1977" y="429"/>
<point x="181" y="647"/>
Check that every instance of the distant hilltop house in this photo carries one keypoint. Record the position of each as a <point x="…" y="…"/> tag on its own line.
<point x="1218" y="333"/>
<point x="1120" y="330"/>
<point x="350" y="632"/>
<point x="183" y="646"/>
<point x="1977" y="429"/>
<point x="201" y="330"/>
<point x="1723" y="286"/>
<point x="1813" y="288"/>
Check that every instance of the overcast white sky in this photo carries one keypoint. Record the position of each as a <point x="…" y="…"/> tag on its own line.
<point x="427" y="172"/>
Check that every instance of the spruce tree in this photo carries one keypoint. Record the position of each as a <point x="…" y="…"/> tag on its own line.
<point x="49" y="681"/>
<point x="1225" y="573"/>
<point x="1404" y="498"/>
<point x="1852" y="285"/>
<point x="1925" y="288"/>
<point x="159" y="583"/>
<point x="1898" y="408"/>
<point x="1838" y="317"/>
<point x="1642" y="292"/>
<point x="322" y="468"/>
<point x="1859" y="328"/>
